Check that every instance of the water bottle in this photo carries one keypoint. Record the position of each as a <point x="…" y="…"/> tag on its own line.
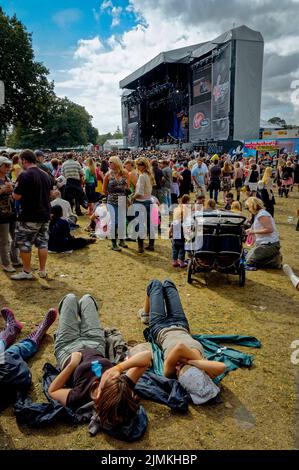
<point x="96" y="368"/>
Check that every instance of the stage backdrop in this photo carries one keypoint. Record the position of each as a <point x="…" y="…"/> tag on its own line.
<point x="200" y="122"/>
<point x="221" y="94"/>
<point x="133" y="135"/>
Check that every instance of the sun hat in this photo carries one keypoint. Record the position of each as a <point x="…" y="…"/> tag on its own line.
<point x="199" y="385"/>
<point x="5" y="161"/>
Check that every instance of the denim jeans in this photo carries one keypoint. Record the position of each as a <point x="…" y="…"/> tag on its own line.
<point x="165" y="307"/>
<point x="25" y="349"/>
<point x="117" y="215"/>
<point x="74" y="334"/>
<point x="178" y="250"/>
<point x="147" y="227"/>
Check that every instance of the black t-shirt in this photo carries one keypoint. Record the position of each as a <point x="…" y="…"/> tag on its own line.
<point x="215" y="173"/>
<point x="83" y="378"/>
<point x="158" y="178"/>
<point x="254" y="176"/>
<point x="34" y="185"/>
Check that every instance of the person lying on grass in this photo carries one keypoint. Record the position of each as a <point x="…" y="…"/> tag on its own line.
<point x="85" y="373"/>
<point x="183" y="356"/>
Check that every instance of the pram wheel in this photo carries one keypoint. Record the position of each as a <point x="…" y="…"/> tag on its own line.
<point x="190" y="271"/>
<point x="242" y="276"/>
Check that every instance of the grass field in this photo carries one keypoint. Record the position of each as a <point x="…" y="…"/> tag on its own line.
<point x="259" y="408"/>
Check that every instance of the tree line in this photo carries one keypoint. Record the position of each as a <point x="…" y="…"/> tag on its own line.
<point x="33" y="116"/>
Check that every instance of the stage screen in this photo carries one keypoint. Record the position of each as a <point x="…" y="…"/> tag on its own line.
<point x="200" y="122"/>
<point x="221" y="92"/>
<point x="133" y="113"/>
<point x="133" y="138"/>
<point x="202" y="85"/>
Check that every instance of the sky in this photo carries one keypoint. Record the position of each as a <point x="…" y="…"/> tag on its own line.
<point x="89" y="45"/>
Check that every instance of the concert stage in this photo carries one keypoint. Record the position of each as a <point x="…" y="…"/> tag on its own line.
<point x="196" y="95"/>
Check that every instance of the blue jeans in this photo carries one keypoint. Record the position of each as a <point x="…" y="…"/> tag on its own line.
<point x="165" y="307"/>
<point x="25" y="349"/>
<point x="117" y="231"/>
<point x="178" y="250"/>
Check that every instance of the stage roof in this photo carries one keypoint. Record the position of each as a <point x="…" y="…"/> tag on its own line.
<point x="185" y="54"/>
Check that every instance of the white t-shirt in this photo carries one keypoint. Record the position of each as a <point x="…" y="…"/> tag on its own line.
<point x="264" y="239"/>
<point x="66" y="207"/>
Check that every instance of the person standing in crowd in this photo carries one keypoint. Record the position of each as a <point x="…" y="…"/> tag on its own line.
<point x="287" y="178"/>
<point x="226" y="179"/>
<point x="33" y="189"/>
<point x="40" y="163"/>
<point x="215" y="182"/>
<point x="186" y="182"/>
<point x="143" y="196"/>
<point x="158" y="188"/>
<point x="200" y="176"/>
<point x="238" y="179"/>
<point x="15" y="169"/>
<point x="168" y="180"/>
<point x="266" y="191"/>
<point x="116" y="185"/>
<point x="129" y="165"/>
<point x="73" y="191"/>
<point x="253" y="178"/>
<point x="90" y="184"/>
<point x="8" y="251"/>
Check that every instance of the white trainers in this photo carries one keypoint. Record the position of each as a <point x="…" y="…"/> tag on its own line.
<point x="9" y="269"/>
<point x="22" y="276"/>
<point x="144" y="317"/>
<point x="42" y="274"/>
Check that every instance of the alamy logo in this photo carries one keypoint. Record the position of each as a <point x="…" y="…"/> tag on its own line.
<point x="295" y="354"/>
<point x="295" y="93"/>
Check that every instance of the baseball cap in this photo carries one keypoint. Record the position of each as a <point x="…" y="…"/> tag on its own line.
<point x="39" y="153"/>
<point x="199" y="385"/>
<point x="4" y="161"/>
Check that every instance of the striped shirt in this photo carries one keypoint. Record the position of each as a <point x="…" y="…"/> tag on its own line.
<point x="71" y="169"/>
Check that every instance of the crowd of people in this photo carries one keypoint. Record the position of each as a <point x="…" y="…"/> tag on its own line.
<point x="41" y="201"/>
<point x="42" y="196"/>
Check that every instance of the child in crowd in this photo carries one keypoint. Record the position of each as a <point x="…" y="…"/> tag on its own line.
<point x="177" y="234"/>
<point x="229" y="199"/>
<point x="236" y="207"/>
<point x="100" y="221"/>
<point x="210" y="206"/>
<point x="60" y="238"/>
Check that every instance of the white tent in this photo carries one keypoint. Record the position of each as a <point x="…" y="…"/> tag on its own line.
<point x="113" y="144"/>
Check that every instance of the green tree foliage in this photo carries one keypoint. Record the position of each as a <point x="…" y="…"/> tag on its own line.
<point x="278" y="121"/>
<point x="66" y="125"/>
<point x="28" y="92"/>
<point x="103" y="137"/>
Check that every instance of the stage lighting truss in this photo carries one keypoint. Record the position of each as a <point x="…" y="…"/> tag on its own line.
<point x="216" y="55"/>
<point x="172" y="94"/>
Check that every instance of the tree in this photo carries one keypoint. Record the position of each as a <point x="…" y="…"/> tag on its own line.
<point x="28" y="93"/>
<point x="67" y="124"/>
<point x="278" y="121"/>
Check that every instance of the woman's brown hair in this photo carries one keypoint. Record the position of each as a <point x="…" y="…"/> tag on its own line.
<point x="117" y="403"/>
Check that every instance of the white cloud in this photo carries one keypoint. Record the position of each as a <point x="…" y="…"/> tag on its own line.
<point x="93" y="81"/>
<point x="106" y="5"/>
<point x="67" y="17"/>
<point x="116" y="12"/>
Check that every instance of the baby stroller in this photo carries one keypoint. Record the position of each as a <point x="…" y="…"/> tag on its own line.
<point x="214" y="241"/>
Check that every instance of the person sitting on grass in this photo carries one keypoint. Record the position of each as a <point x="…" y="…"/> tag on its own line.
<point x="67" y="214"/>
<point x="79" y="345"/>
<point x="266" y="250"/>
<point x="183" y="356"/>
<point x="60" y="238"/>
<point x="15" y="374"/>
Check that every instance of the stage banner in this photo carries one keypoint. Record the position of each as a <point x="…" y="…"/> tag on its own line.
<point x="221" y="85"/>
<point x="200" y="122"/>
<point x="124" y="112"/>
<point x="220" y="129"/>
<point x="133" y="137"/>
